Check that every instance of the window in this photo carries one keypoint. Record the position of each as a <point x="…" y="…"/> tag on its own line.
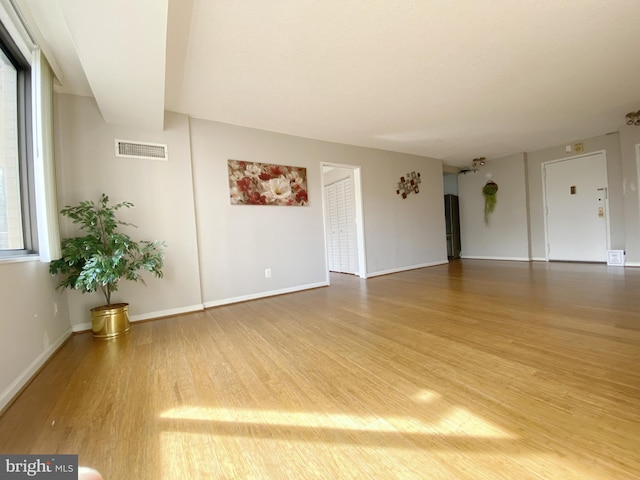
<point x="17" y="231"/>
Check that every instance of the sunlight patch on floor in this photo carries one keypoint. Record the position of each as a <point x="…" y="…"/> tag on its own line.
<point x="253" y="443"/>
<point x="458" y="421"/>
<point x="426" y="396"/>
<point x="438" y="440"/>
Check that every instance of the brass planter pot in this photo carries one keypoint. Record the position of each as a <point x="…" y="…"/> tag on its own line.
<point x="110" y="321"/>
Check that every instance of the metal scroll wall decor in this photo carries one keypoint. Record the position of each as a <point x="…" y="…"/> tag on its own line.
<point x="409" y="183"/>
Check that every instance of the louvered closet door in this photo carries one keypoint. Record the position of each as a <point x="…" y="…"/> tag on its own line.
<point x="351" y="236"/>
<point x="340" y="221"/>
<point x="331" y="221"/>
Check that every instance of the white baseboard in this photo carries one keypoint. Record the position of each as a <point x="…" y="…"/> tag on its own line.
<point x="404" y="269"/>
<point x="271" y="293"/>
<point x="536" y="259"/>
<point x="166" y="313"/>
<point x="478" y="257"/>
<point x="12" y="390"/>
<point x="83" y="327"/>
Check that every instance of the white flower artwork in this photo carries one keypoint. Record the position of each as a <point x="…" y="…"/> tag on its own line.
<point x="252" y="183"/>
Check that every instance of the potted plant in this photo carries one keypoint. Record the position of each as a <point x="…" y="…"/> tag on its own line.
<point x="102" y="257"/>
<point x="489" y="192"/>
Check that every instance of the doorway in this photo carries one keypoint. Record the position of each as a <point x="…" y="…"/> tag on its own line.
<point x="452" y="214"/>
<point x="344" y="231"/>
<point x="577" y="208"/>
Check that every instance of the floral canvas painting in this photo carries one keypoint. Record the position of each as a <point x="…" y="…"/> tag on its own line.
<point x="253" y="183"/>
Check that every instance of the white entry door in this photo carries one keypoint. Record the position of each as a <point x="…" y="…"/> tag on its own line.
<point x="577" y="209"/>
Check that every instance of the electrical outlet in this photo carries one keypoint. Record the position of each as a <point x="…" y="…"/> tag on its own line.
<point x="267" y="273"/>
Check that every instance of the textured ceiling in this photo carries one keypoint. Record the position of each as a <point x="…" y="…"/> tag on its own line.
<point x="449" y="79"/>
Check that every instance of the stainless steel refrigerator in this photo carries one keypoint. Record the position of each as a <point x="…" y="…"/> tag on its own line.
<point x="452" y="216"/>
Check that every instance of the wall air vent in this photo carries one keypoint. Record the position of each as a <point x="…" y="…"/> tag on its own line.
<point x="150" y="151"/>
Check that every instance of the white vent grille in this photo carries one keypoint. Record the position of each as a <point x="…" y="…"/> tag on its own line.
<point x="150" y="151"/>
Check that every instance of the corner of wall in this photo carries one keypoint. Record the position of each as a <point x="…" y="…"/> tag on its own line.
<point x="11" y="392"/>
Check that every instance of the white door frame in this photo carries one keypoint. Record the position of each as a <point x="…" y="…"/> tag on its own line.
<point x="544" y="196"/>
<point x="357" y="189"/>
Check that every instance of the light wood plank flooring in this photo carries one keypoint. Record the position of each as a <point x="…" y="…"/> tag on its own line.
<point x="472" y="370"/>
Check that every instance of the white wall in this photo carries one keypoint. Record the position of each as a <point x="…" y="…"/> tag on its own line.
<point x="34" y="323"/>
<point x="162" y="192"/>
<point x="238" y="242"/>
<point x="233" y="245"/>
<point x="508" y="225"/>
<point x="611" y="145"/>
<point x="34" y="318"/>
<point x="402" y="232"/>
<point x="629" y="138"/>
<point x="506" y="235"/>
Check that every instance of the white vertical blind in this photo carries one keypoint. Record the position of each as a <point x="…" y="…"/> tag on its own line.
<point x="44" y="166"/>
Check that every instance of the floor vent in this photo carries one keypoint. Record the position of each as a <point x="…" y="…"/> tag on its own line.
<point x="150" y="151"/>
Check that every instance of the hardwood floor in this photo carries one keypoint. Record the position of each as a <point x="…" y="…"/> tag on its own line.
<point x="472" y="370"/>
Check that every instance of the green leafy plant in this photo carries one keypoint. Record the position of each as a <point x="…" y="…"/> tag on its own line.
<point x="99" y="259"/>
<point x="489" y="192"/>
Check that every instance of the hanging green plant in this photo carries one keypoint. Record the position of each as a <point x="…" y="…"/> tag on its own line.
<point x="489" y="192"/>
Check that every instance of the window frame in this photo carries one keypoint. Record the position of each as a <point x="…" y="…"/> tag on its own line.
<point x="26" y="165"/>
